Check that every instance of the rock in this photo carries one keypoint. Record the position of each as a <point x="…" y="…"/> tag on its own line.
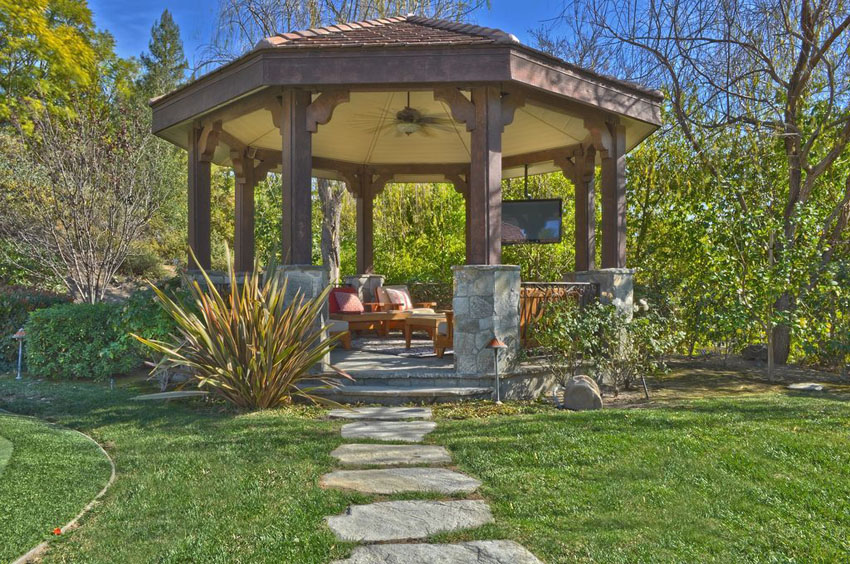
<point x="396" y="455"/>
<point x="755" y="352"/>
<point x="478" y="552"/>
<point x="580" y="395"/>
<point x="382" y="413"/>
<point x="406" y="431"/>
<point x="398" y="480"/>
<point x="401" y="520"/>
<point x="806" y="387"/>
<point x="590" y="381"/>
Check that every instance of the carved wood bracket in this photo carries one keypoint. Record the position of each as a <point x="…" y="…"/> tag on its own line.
<point x="460" y="182"/>
<point x="511" y="101"/>
<point x="463" y="110"/>
<point x="319" y="112"/>
<point x="208" y="140"/>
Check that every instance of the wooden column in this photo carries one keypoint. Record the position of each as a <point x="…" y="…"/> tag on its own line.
<point x="484" y="242"/>
<point x="583" y="177"/>
<point x="243" y="239"/>
<point x="365" y="200"/>
<point x="202" y="142"/>
<point x="614" y="199"/>
<point x="296" y="161"/>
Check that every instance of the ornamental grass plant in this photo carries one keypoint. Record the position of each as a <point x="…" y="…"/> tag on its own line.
<point x="253" y="345"/>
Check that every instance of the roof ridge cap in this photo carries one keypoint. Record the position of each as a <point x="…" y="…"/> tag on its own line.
<point x="464" y="27"/>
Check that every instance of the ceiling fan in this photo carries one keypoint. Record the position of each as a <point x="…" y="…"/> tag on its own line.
<point x="409" y="120"/>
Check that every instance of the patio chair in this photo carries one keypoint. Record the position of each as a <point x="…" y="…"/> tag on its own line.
<point x="444" y="338"/>
<point x="397" y="298"/>
<point x="346" y="308"/>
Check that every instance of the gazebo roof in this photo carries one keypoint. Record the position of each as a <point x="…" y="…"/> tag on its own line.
<point x="388" y="64"/>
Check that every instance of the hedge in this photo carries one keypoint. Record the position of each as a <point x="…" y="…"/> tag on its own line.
<point x="76" y="341"/>
<point x="16" y="303"/>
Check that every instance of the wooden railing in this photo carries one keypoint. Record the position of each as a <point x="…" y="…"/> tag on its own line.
<point x="534" y="296"/>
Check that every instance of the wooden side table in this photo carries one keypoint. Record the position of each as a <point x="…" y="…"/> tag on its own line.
<point x="425" y="322"/>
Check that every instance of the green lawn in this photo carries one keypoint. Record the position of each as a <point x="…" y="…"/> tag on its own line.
<point x="762" y="478"/>
<point x="50" y="474"/>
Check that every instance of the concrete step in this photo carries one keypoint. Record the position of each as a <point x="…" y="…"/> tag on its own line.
<point x="400" y="395"/>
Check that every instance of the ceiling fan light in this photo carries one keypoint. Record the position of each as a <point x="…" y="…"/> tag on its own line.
<point x="407" y="127"/>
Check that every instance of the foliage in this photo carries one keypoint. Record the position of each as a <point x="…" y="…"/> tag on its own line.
<point x="249" y="346"/>
<point x="47" y="52"/>
<point x="75" y="341"/>
<point x="16" y="303"/>
<point x="81" y="192"/>
<point x="165" y="64"/>
<point x="56" y="472"/>
<point x="617" y="349"/>
<point x="142" y="315"/>
<point x="568" y="335"/>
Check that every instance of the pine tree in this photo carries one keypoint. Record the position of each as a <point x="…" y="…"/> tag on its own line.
<point x="164" y="67"/>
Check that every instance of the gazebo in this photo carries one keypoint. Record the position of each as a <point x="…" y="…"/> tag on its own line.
<point x="412" y="99"/>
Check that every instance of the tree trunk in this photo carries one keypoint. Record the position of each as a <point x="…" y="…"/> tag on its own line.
<point x="330" y="197"/>
<point x="781" y="342"/>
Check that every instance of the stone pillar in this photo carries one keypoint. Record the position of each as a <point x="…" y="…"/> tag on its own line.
<point x="311" y="281"/>
<point x="616" y="286"/>
<point x="486" y="305"/>
<point x="366" y="285"/>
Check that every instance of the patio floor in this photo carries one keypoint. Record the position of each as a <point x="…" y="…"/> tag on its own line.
<point x="372" y="356"/>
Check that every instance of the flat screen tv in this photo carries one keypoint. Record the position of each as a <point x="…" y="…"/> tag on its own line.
<point x="531" y="221"/>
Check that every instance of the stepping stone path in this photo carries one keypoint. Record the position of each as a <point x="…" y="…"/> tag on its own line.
<point x="408" y="468"/>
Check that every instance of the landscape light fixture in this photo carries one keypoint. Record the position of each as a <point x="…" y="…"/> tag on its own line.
<point x="497" y="345"/>
<point x="19" y="336"/>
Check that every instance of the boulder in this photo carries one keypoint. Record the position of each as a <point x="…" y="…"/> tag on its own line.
<point x="582" y="393"/>
<point x="806" y="387"/>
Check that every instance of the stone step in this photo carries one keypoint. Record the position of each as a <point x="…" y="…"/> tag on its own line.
<point x="403" y="520"/>
<point x="381" y="413"/>
<point x="405" y="431"/>
<point x="391" y="455"/>
<point x="400" y="395"/>
<point x="477" y="552"/>
<point x="387" y="481"/>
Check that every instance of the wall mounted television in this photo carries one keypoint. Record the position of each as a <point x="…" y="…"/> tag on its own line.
<point x="531" y="221"/>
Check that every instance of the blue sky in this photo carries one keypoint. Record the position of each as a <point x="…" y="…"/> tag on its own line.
<point x="130" y="20"/>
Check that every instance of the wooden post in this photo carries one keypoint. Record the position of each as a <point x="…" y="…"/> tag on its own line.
<point x="614" y="199"/>
<point x="583" y="177"/>
<point x="243" y="237"/>
<point x="484" y="241"/>
<point x="365" y="201"/>
<point x="297" y="167"/>
<point x="202" y="142"/>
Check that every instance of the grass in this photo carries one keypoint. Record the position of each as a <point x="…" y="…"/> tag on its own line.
<point x="194" y="483"/>
<point x="760" y="479"/>
<point x="763" y="477"/>
<point x="49" y="476"/>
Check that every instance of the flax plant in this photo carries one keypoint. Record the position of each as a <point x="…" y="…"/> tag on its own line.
<point x="252" y="346"/>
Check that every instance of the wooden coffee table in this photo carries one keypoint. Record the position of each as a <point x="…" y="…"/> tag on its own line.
<point x="377" y="321"/>
<point x="427" y="322"/>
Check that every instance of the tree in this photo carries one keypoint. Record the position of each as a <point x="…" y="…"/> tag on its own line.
<point x="775" y="72"/>
<point x="46" y="51"/>
<point x="81" y="188"/>
<point x="243" y="23"/>
<point x="165" y="65"/>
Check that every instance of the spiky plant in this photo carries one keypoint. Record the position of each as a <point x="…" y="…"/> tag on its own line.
<point x="250" y="346"/>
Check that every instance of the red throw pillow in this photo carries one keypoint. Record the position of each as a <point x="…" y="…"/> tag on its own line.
<point x="349" y="303"/>
<point x="397" y="297"/>
<point x="333" y="305"/>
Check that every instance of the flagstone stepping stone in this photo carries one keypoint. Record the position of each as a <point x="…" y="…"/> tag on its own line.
<point x="406" y="431"/>
<point x="179" y="394"/>
<point x="397" y="480"/>
<point x="401" y="520"/>
<point x="478" y="552"/>
<point x="382" y="413"/>
<point x="391" y="455"/>
<point x="806" y="387"/>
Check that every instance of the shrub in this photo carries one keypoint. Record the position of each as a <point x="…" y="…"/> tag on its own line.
<point x="247" y="346"/>
<point x="71" y="341"/>
<point x="15" y="305"/>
